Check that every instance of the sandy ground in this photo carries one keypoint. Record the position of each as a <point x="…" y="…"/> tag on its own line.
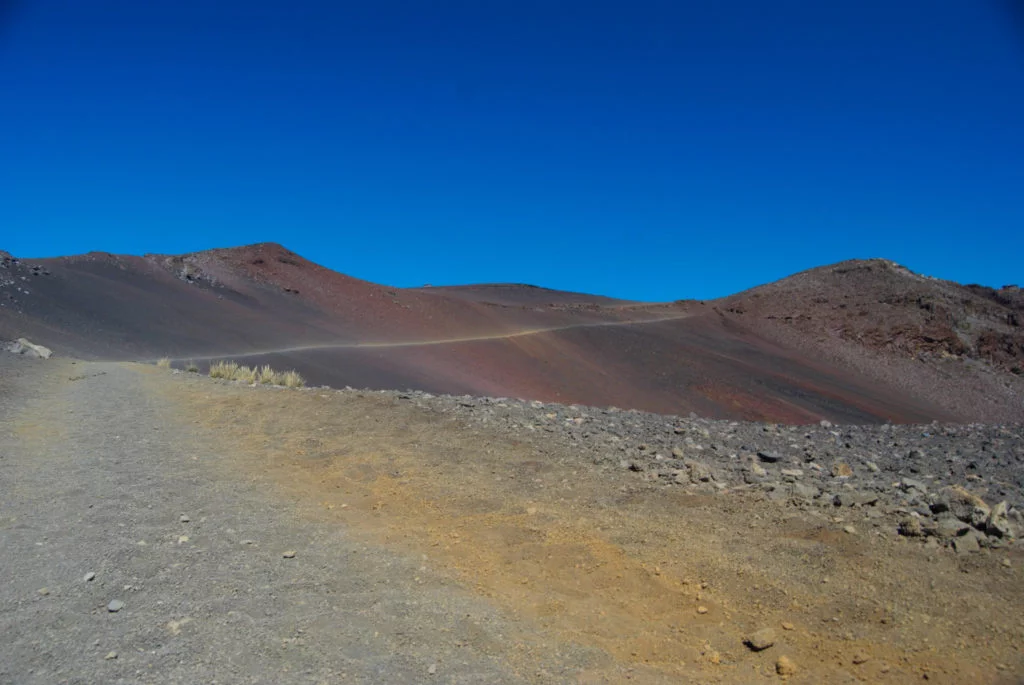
<point x="427" y="550"/>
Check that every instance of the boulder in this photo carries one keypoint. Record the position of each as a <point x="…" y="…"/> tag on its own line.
<point x="29" y="349"/>
<point x="965" y="505"/>
<point x="998" y="522"/>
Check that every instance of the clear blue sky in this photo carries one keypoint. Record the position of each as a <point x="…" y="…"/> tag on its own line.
<point x="650" y="150"/>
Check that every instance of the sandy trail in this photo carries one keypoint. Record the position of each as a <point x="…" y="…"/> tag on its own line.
<point x="504" y="335"/>
<point x="428" y="550"/>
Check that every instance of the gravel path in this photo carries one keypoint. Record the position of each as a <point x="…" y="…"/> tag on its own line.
<point x="107" y="504"/>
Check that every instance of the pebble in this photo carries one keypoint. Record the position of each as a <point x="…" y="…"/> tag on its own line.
<point x="1006" y="563"/>
<point x="769" y="457"/>
<point x="184" y="518"/>
<point x="702" y="610"/>
<point x="761" y="640"/>
<point x="850" y="529"/>
<point x="43" y="591"/>
<point x="786" y="625"/>
<point x="859" y="659"/>
<point x="432" y="669"/>
<point x="115" y="606"/>
<point x="290" y="554"/>
<point x="785" y="666"/>
<point x="89" y="576"/>
<point x="110" y="655"/>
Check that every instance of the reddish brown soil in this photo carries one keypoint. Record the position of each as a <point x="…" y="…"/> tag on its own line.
<point x="858" y="342"/>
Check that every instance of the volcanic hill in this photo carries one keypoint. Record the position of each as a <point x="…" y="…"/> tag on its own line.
<point x="857" y="342"/>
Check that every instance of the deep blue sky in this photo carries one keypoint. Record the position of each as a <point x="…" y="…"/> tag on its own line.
<point x="651" y="150"/>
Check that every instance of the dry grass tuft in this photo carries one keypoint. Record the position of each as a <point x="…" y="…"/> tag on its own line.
<point x="233" y="371"/>
<point x="268" y="376"/>
<point x="223" y="370"/>
<point x="191" y="366"/>
<point x="163" y="363"/>
<point x="292" y="379"/>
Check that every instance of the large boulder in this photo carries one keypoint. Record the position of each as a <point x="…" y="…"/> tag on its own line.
<point x="28" y="348"/>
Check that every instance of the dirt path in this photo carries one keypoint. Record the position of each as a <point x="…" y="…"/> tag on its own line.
<point x="505" y="335"/>
<point x="431" y="551"/>
<point x="96" y="473"/>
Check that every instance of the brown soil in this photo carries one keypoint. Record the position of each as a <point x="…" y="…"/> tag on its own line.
<point x="667" y="584"/>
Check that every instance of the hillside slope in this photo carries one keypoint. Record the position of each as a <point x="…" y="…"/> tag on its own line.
<point x="795" y="351"/>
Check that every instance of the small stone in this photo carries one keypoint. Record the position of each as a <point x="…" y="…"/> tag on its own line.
<point x="850" y="529"/>
<point x="184" y="518"/>
<point x="43" y="591"/>
<point x="110" y="655"/>
<point x="761" y="640"/>
<point x="792" y="474"/>
<point x="89" y="576"/>
<point x="841" y="470"/>
<point x="115" y="606"/>
<point x="784" y="666"/>
<point x="859" y="659"/>
<point x="290" y="554"/>
<point x="872" y="466"/>
<point x="967" y="543"/>
<point x="769" y="457"/>
<point x="182" y="539"/>
<point x="913" y="484"/>
<point x="702" y="610"/>
<point x="786" y="625"/>
<point x="825" y="423"/>
<point x="432" y="669"/>
<point x="1006" y="563"/>
<point x="998" y="522"/>
<point x="910" y="527"/>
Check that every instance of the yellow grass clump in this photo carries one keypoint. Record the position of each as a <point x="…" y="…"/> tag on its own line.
<point x="223" y="370"/>
<point x="233" y="371"/>
<point x="292" y="379"/>
<point x="163" y="363"/>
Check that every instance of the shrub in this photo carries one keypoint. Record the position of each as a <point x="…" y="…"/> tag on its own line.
<point x="191" y="366"/>
<point x="163" y="363"/>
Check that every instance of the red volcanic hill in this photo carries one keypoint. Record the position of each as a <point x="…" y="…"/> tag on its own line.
<point x="854" y="342"/>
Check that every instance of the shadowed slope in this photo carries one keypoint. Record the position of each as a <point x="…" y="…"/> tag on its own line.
<point x="265" y="304"/>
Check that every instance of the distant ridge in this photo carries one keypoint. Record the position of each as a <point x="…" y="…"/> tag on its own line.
<point x="860" y="341"/>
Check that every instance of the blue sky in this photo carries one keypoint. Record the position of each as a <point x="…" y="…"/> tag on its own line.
<point x="649" y="150"/>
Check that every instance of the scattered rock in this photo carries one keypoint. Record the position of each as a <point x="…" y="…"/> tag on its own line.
<point x="43" y="591"/>
<point x="761" y="639"/>
<point x="784" y="666"/>
<point x="432" y="669"/>
<point x="89" y="576"/>
<point x="841" y="470"/>
<point x="965" y="505"/>
<point x="769" y="457"/>
<point x="910" y="527"/>
<point x="290" y="554"/>
<point x="110" y="656"/>
<point x="786" y="625"/>
<point x="184" y="518"/>
<point x="968" y="542"/>
<point x="998" y="522"/>
<point x="850" y="529"/>
<point x="860" y="658"/>
<point x="115" y="606"/>
<point x="702" y="610"/>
